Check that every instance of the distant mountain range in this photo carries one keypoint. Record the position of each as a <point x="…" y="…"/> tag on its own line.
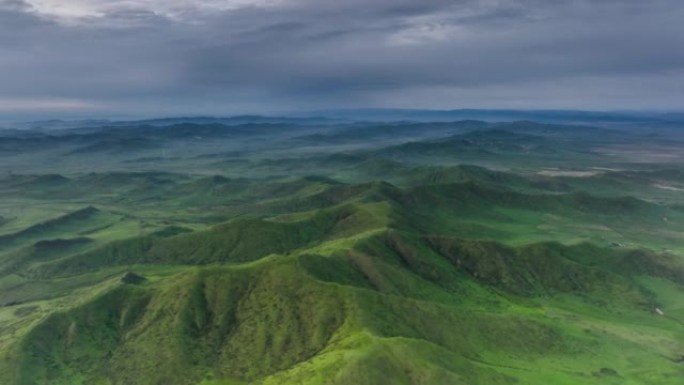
<point x="336" y="116"/>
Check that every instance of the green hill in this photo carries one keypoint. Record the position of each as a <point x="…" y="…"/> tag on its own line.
<point x="441" y="310"/>
<point x="278" y="252"/>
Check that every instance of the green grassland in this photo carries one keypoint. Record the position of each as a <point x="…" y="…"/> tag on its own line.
<point x="394" y="253"/>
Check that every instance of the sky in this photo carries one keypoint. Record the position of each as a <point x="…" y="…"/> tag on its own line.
<point x="88" y="58"/>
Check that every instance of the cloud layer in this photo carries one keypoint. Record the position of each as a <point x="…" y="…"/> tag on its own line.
<point x="229" y="56"/>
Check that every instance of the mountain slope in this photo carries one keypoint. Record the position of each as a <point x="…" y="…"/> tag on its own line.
<point x="280" y="321"/>
<point x="212" y="251"/>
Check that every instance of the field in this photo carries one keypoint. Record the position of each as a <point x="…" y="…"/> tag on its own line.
<point x="255" y="250"/>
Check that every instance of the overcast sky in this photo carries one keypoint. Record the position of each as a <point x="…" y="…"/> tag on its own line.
<point x="175" y="57"/>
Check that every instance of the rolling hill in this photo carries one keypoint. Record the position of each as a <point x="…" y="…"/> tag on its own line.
<point x="313" y="251"/>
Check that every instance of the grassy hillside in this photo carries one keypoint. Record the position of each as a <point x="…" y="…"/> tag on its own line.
<point x="279" y="252"/>
<point x="475" y="311"/>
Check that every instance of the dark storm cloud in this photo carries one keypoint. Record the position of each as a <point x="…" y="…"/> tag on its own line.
<point x="148" y="56"/>
<point x="468" y="47"/>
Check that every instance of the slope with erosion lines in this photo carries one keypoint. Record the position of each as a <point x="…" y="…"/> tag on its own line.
<point x="472" y="310"/>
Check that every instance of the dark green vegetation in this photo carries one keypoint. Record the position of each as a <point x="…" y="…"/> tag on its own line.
<point x="312" y="251"/>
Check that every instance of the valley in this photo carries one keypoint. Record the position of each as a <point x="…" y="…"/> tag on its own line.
<point x="252" y="250"/>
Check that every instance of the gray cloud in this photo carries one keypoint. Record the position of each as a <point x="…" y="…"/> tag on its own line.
<point x="149" y="57"/>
